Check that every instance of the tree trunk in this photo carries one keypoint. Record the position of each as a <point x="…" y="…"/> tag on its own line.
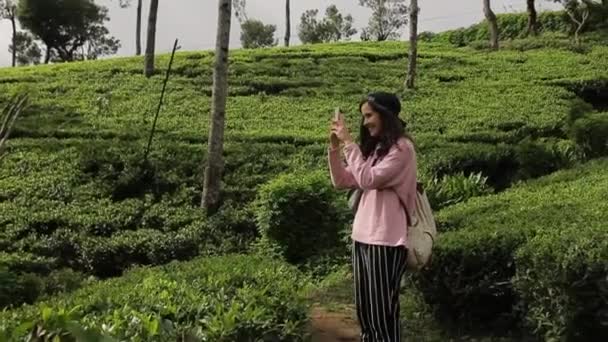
<point x="288" y="23"/>
<point x="580" y="23"/>
<point x="47" y="55"/>
<point x="138" y="30"/>
<point x="413" y="54"/>
<point x="149" y="59"/>
<point x="14" y="39"/>
<point x="491" y="17"/>
<point x="215" y="162"/>
<point x="532" y="18"/>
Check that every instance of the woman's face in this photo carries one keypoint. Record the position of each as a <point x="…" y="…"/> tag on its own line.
<point x="371" y="120"/>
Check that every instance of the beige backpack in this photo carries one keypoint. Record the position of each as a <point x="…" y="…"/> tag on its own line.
<point x="422" y="230"/>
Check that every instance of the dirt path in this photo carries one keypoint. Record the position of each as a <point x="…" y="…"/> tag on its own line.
<point x="329" y="326"/>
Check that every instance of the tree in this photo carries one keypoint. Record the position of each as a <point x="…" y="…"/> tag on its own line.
<point x="126" y="4"/>
<point x="65" y="26"/>
<point x="287" y="22"/>
<point x="240" y="10"/>
<point x="338" y="26"/>
<point x="532" y="18"/>
<point x="8" y="10"/>
<point x="388" y="17"/>
<point x="310" y="30"/>
<point x="334" y="26"/>
<point x="598" y="14"/>
<point x="412" y="58"/>
<point x="254" y="34"/>
<point x="493" y="24"/>
<point x="138" y="29"/>
<point x="99" y="44"/>
<point x="27" y="51"/>
<point x="579" y="14"/>
<point x="150" y="44"/>
<point x="215" y="144"/>
<point x="580" y="11"/>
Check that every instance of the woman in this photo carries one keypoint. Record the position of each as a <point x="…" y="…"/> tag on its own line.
<point x="383" y="165"/>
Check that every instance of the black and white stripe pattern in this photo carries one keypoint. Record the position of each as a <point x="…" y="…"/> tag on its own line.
<point x="377" y="276"/>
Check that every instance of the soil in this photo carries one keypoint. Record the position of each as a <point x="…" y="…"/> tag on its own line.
<point x="330" y="326"/>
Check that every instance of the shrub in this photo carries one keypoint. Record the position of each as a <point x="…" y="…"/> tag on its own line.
<point x="474" y="263"/>
<point x="18" y="288"/>
<point x="561" y="278"/>
<point x="426" y="36"/>
<point x="452" y="189"/>
<point x="535" y="159"/>
<point x="63" y="280"/>
<point x="469" y="279"/>
<point x="591" y="134"/>
<point x="302" y="214"/>
<point x="229" y="298"/>
<point x="105" y="257"/>
<point x="511" y="26"/>
<point x="496" y="162"/>
<point x="25" y="277"/>
<point x="27" y="262"/>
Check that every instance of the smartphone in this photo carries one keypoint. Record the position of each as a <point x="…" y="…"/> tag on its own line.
<point x="337" y="113"/>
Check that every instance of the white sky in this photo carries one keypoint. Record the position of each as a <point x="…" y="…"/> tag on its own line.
<point x="194" y="22"/>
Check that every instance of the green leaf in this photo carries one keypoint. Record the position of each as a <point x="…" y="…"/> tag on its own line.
<point x="47" y="312"/>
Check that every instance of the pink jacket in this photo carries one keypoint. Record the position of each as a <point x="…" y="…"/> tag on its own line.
<point x="380" y="218"/>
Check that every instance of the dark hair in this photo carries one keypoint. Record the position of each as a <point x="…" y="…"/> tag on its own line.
<point x="393" y="128"/>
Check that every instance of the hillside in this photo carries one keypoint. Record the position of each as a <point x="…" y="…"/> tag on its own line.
<point x="75" y="192"/>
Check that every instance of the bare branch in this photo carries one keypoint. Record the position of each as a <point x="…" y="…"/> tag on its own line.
<point x="11" y="112"/>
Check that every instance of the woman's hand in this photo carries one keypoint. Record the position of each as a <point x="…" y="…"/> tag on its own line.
<point x="339" y="131"/>
<point x="334" y="141"/>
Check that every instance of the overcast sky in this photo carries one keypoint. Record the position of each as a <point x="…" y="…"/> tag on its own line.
<point x="194" y="22"/>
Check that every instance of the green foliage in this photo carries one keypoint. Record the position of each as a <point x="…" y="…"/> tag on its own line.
<point x="591" y="134"/>
<point x="68" y="25"/>
<point x="63" y="281"/>
<point x="254" y="34"/>
<point x="555" y="29"/>
<point x="301" y="214"/>
<point x="386" y="21"/>
<point x="16" y="289"/>
<point x="230" y="298"/>
<point x="452" y="189"/>
<point x="595" y="13"/>
<point x="536" y="159"/>
<point x="426" y="36"/>
<point x="470" y="279"/>
<point x="334" y="27"/>
<point x="510" y="26"/>
<point x="28" y="52"/>
<point x="561" y="276"/>
<point x="26" y="277"/>
<point x="598" y="14"/>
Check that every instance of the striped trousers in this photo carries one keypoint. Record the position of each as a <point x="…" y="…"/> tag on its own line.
<point x="377" y="274"/>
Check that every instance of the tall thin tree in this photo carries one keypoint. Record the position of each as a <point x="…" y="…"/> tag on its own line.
<point x="151" y="40"/>
<point x="215" y="144"/>
<point x="532" y="18"/>
<point x="413" y="54"/>
<point x="8" y="9"/>
<point x="138" y="29"/>
<point x="287" y="22"/>
<point x="126" y="4"/>
<point x="493" y="24"/>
